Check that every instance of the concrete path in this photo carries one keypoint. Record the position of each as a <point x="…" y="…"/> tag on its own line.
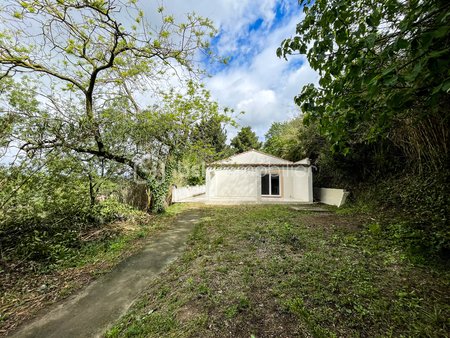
<point x="92" y="311"/>
<point x="309" y="208"/>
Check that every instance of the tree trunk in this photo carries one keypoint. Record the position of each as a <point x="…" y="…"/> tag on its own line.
<point x="92" y="193"/>
<point x="160" y="188"/>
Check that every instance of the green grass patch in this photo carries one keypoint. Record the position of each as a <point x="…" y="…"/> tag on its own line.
<point x="272" y="271"/>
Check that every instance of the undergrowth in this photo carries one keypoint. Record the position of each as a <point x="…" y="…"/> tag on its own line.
<point x="54" y="270"/>
<point x="55" y="238"/>
<point x="412" y="211"/>
<point x="271" y="271"/>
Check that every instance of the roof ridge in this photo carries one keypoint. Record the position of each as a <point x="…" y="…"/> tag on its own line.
<point x="278" y="158"/>
<point x="252" y="150"/>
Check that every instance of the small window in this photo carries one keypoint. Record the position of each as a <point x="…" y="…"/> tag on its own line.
<point x="270" y="184"/>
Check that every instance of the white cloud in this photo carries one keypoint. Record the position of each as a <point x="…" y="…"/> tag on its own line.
<point x="257" y="81"/>
<point x="265" y="87"/>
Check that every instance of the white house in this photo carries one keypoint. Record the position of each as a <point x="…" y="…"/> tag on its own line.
<point x="254" y="176"/>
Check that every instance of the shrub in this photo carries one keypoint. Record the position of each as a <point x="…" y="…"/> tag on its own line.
<point x="416" y="209"/>
<point x="43" y="221"/>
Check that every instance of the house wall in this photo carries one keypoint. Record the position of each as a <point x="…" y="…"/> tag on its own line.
<point x="244" y="184"/>
<point x="303" y="184"/>
<point x="234" y="184"/>
<point x="298" y="184"/>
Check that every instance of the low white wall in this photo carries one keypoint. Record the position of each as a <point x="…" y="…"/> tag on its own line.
<point x="330" y="196"/>
<point x="179" y="194"/>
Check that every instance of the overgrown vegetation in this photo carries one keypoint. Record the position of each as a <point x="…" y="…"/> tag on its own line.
<point x="416" y="202"/>
<point x="83" y="161"/>
<point x="74" y="136"/>
<point x="72" y="86"/>
<point x="377" y="122"/>
<point x="81" y="152"/>
<point x="272" y="271"/>
<point x="384" y="73"/>
<point x="45" y="213"/>
<point x="50" y="264"/>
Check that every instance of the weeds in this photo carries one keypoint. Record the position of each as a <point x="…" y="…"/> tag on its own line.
<point x="271" y="271"/>
<point x="25" y="289"/>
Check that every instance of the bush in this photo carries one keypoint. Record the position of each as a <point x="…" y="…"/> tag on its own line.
<point x="416" y="209"/>
<point x="44" y="219"/>
<point x="111" y="210"/>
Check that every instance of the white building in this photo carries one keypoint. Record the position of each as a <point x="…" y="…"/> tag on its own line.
<point x="257" y="177"/>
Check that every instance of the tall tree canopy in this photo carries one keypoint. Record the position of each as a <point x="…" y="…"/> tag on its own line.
<point x="72" y="73"/>
<point x="293" y="141"/>
<point x="245" y="140"/>
<point x="384" y="70"/>
<point x="281" y="140"/>
<point x="212" y="134"/>
<point x="87" y="56"/>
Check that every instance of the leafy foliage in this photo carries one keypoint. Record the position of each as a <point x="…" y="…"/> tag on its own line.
<point x="280" y="139"/>
<point x="208" y="143"/>
<point x="412" y="212"/>
<point x="86" y="66"/>
<point x="245" y="140"/>
<point x="381" y="106"/>
<point x="173" y="129"/>
<point x="71" y="122"/>
<point x="43" y="213"/>
<point x="383" y="66"/>
<point x="292" y="140"/>
<point x="210" y="133"/>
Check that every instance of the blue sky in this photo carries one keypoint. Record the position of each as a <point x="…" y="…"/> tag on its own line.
<point x="255" y="80"/>
<point x="250" y="41"/>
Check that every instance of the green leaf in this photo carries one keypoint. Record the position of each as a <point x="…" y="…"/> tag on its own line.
<point x="401" y="44"/>
<point x="446" y="86"/>
<point x="390" y="80"/>
<point x="440" y="32"/>
<point x="439" y="53"/>
<point x="412" y="75"/>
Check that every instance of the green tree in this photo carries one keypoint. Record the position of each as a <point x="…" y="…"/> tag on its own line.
<point x="165" y="135"/>
<point x="282" y="140"/>
<point x="273" y="142"/>
<point x="208" y="140"/>
<point x="211" y="133"/>
<point x="384" y="73"/>
<point x="77" y="75"/>
<point x="293" y="141"/>
<point x="382" y="103"/>
<point x="245" y="140"/>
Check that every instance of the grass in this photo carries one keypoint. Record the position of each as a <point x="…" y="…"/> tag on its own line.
<point x="24" y="292"/>
<point x="124" y="241"/>
<point x="270" y="271"/>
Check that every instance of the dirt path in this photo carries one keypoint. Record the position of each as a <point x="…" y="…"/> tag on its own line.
<point x="89" y="313"/>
